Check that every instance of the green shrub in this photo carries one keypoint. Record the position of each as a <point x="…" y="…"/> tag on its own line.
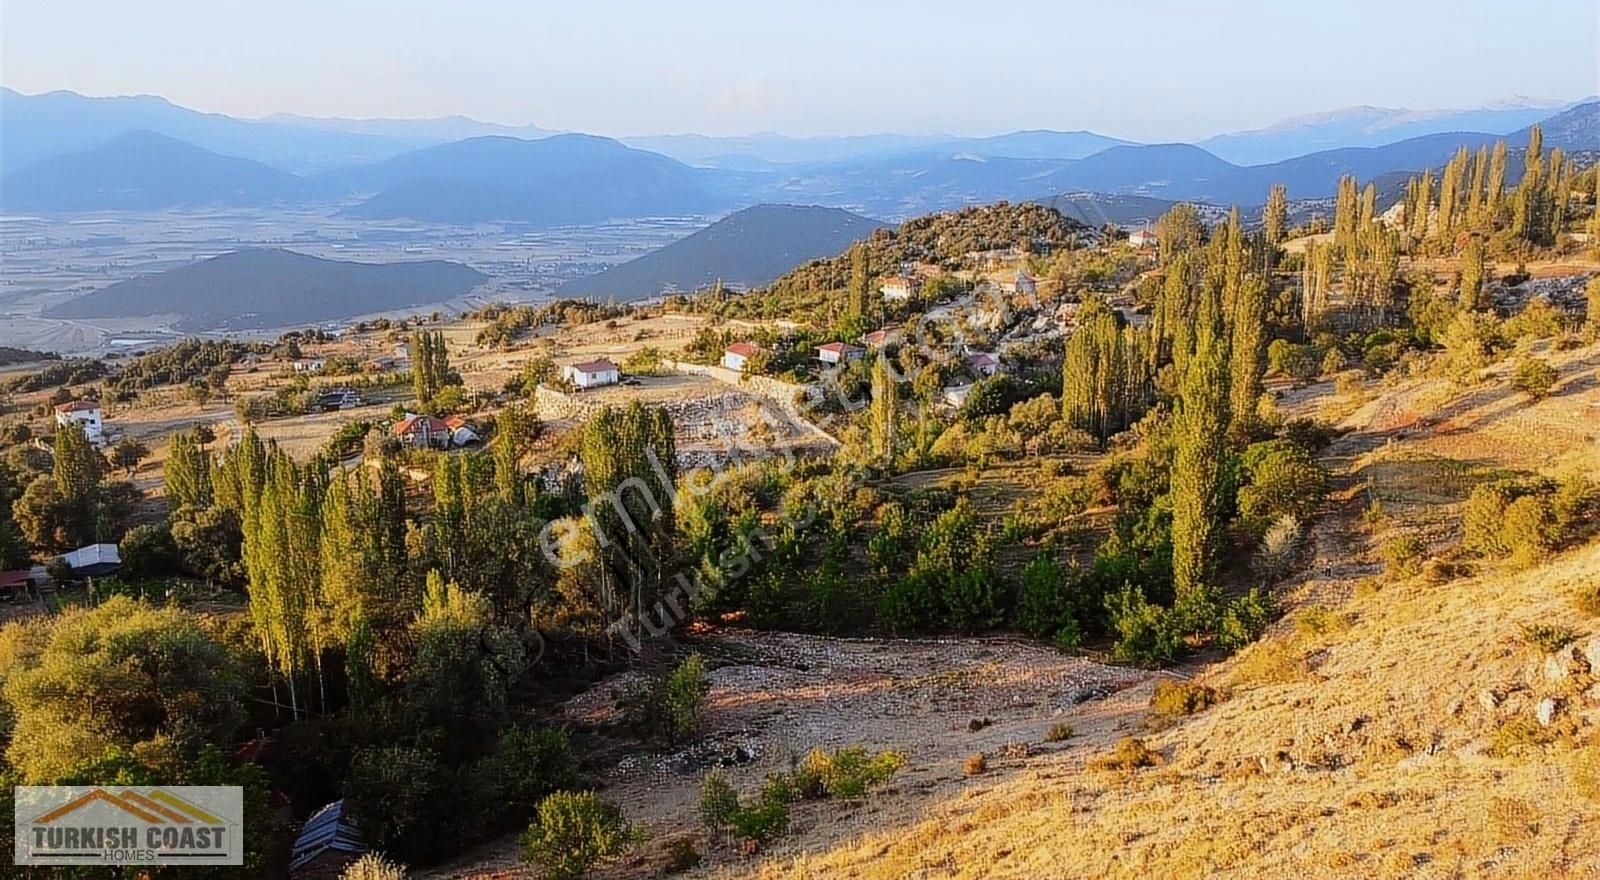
<point x="1144" y="635"/>
<point x="1547" y="637"/>
<point x="1487" y="523"/>
<point x="1059" y="732"/>
<point x="1130" y="753"/>
<point x="1518" y="733"/>
<point x="1588" y="600"/>
<point x="572" y="832"/>
<point x="975" y="765"/>
<point x="1245" y="618"/>
<point x="1316" y="620"/>
<point x="669" y="706"/>
<point x="532" y="762"/>
<point x="845" y="773"/>
<point x="718" y="801"/>
<point x="1404" y="555"/>
<point x="1176" y="699"/>
<point x="1534" y="377"/>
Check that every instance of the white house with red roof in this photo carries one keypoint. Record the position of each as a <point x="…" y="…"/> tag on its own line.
<point x="735" y="356"/>
<point x="86" y="413"/>
<point x="421" y="432"/>
<point x="1142" y="238"/>
<point x="840" y="352"/>
<point x="592" y="374"/>
<point x="881" y="337"/>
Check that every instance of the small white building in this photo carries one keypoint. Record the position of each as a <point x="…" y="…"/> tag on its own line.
<point x="461" y="432"/>
<point x="592" y="374"/>
<point x="983" y="362"/>
<point x="739" y="353"/>
<point x="1142" y="238"/>
<point x="956" y="396"/>
<point x="1021" y="282"/>
<point x="309" y="365"/>
<point x="86" y="413"/>
<point x="93" y="560"/>
<point x="840" y="352"/>
<point x="900" y="287"/>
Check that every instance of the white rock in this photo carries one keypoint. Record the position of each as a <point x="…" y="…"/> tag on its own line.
<point x="1488" y="699"/>
<point x="1591" y="653"/>
<point x="1549" y="708"/>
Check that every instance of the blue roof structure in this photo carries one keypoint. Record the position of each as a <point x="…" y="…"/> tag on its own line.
<point x="327" y="829"/>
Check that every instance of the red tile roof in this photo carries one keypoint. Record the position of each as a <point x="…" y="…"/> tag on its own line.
<point x="596" y="366"/>
<point x="744" y="348"/>
<point x="77" y="406"/>
<point x="414" y="424"/>
<point x="839" y="347"/>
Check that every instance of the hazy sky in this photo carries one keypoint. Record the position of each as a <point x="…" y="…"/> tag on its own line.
<point x="1146" y="69"/>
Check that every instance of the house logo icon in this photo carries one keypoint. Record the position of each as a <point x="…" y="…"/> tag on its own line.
<point x="131" y="825"/>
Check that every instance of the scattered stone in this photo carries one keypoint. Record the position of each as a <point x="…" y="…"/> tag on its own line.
<point x="1549" y="709"/>
<point x="1591" y="654"/>
<point x="1489" y="699"/>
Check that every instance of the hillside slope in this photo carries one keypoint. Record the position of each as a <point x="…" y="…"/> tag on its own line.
<point x="1385" y="728"/>
<point x="744" y="249"/>
<point x="273" y="288"/>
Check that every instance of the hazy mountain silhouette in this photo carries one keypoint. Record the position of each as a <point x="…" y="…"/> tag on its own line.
<point x="141" y="170"/>
<point x="745" y="249"/>
<point x="273" y="288"/>
<point x="552" y="181"/>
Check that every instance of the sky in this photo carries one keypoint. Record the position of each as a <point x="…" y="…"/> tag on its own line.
<point x="1146" y="69"/>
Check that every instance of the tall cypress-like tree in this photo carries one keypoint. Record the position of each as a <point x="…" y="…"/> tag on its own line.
<point x="1470" y="296"/>
<point x="630" y="473"/>
<point x="1275" y="216"/>
<point x="77" y="468"/>
<point x="1494" y="190"/>
<point x="187" y="473"/>
<point x="885" y="412"/>
<point x="1246" y="349"/>
<point x="860" y="271"/>
<point x="1199" y="429"/>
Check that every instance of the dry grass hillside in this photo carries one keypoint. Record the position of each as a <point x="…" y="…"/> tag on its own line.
<point x="1392" y="725"/>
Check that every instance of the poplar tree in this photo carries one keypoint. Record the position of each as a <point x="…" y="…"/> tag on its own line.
<point x="1246" y="349"/>
<point x="1105" y="373"/>
<point x="1470" y="296"/>
<point x="187" y="473"/>
<point x="630" y="471"/>
<point x="856" y="294"/>
<point x="885" y="412"/>
<point x="1346" y="215"/>
<point x="77" y="468"/>
<point x="1494" y="191"/>
<point x="1199" y="428"/>
<point x="1177" y="231"/>
<point x="1417" y="221"/>
<point x="1275" y="216"/>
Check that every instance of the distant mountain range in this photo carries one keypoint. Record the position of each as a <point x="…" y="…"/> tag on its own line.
<point x="745" y="249"/>
<point x="141" y="170"/>
<point x="1372" y="127"/>
<point x="181" y="158"/>
<point x="559" y="180"/>
<point x="267" y="288"/>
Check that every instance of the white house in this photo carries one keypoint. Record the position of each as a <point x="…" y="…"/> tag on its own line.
<point x="592" y="374"/>
<point x="839" y="352"/>
<point x="86" y="413"/>
<point x="421" y="432"/>
<point x="956" y="396"/>
<point x="983" y="362"/>
<point x="1021" y="282"/>
<point x="900" y="287"/>
<point x="1142" y="238"/>
<point x="735" y="356"/>
<point x="309" y="365"/>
